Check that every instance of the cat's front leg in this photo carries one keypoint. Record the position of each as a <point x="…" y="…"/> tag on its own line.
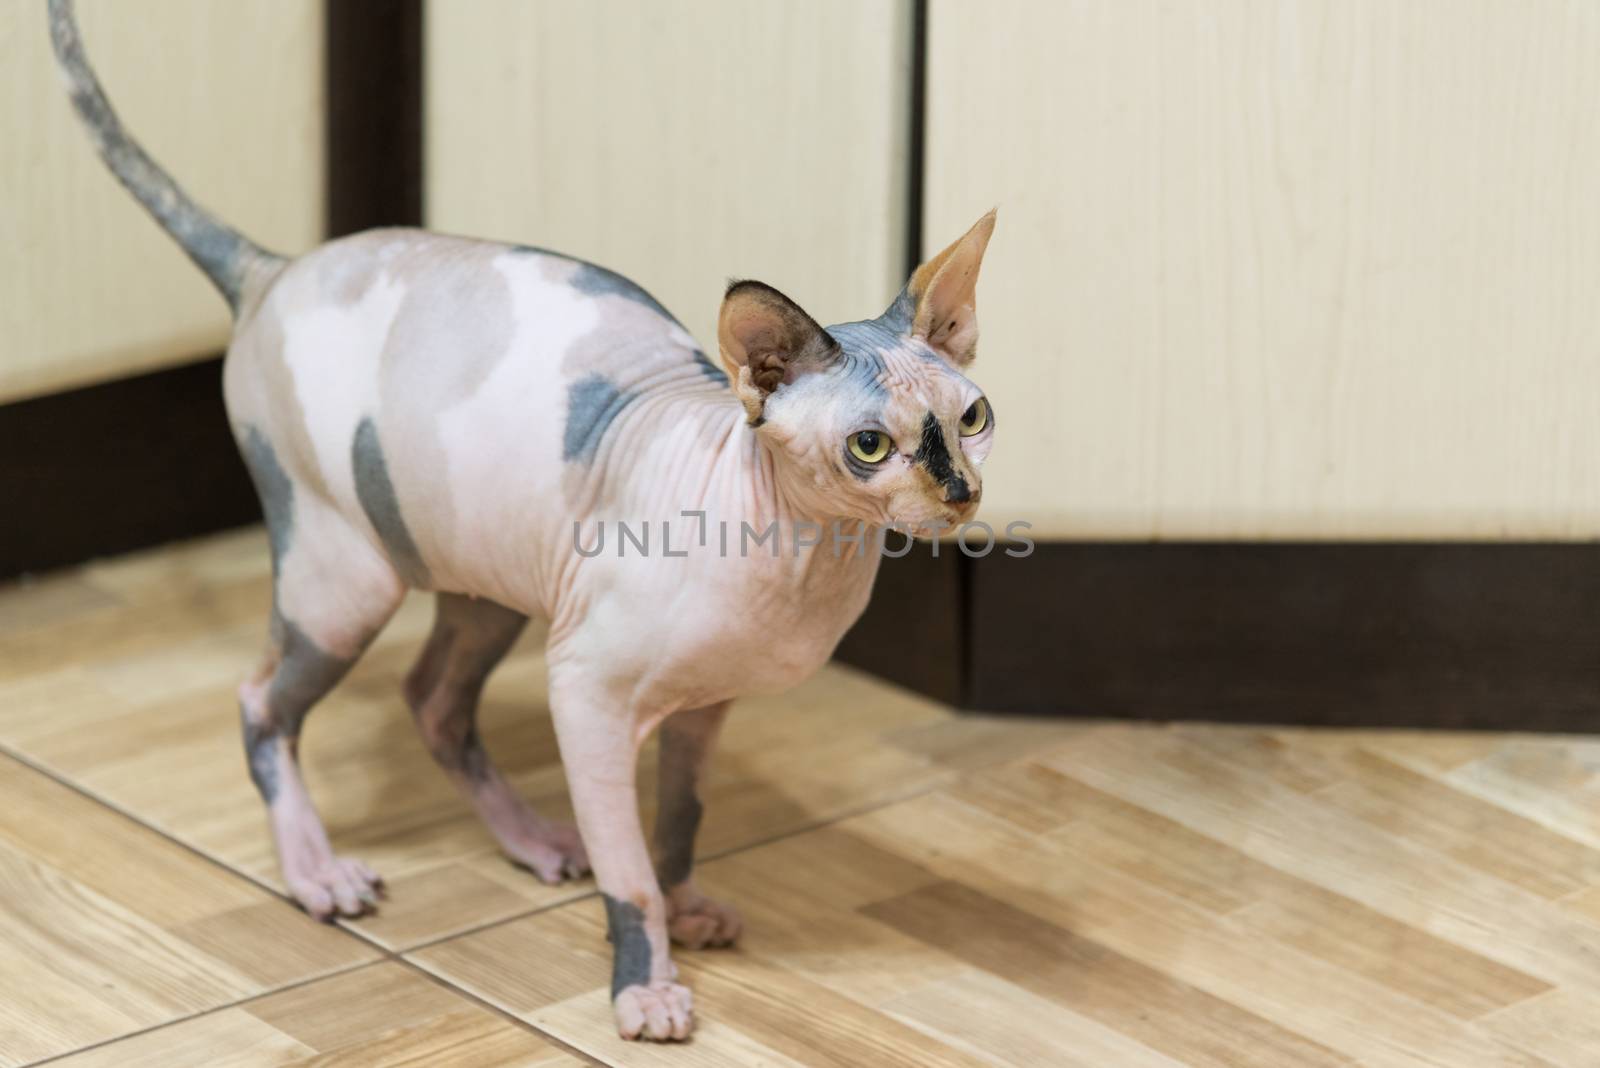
<point x="687" y="739"/>
<point x="600" y="747"/>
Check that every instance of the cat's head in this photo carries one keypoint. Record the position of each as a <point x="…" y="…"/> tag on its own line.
<point x="874" y="420"/>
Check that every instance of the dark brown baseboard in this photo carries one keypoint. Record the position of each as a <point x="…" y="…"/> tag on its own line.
<point x="1467" y="636"/>
<point x="117" y="467"/>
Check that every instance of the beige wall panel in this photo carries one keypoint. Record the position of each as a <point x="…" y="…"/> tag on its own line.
<point x="680" y="143"/>
<point x="228" y="97"/>
<point x="1293" y="269"/>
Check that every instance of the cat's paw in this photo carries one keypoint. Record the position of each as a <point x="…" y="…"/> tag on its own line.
<point x="660" y="1012"/>
<point x="552" y="851"/>
<point x="698" y="922"/>
<point x="331" y="887"/>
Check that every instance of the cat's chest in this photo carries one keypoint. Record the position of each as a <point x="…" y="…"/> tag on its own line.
<point x="755" y="630"/>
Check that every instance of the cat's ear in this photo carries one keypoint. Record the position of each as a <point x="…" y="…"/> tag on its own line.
<point x="768" y="340"/>
<point x="944" y="292"/>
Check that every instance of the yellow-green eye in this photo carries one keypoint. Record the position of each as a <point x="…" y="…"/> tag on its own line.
<point x="975" y="418"/>
<point x="869" y="446"/>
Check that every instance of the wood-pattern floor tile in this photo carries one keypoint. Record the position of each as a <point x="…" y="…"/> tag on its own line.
<point x="1470" y="829"/>
<point x="1565" y="1025"/>
<point x="1404" y="880"/>
<point x="1358" y="1005"/>
<point x="919" y="888"/>
<point x="108" y="928"/>
<point x="1093" y="980"/>
<point x="385" y="1014"/>
<point x="130" y="693"/>
<point x="1007" y="1025"/>
<point x="753" y="1009"/>
<point x="1554" y="782"/>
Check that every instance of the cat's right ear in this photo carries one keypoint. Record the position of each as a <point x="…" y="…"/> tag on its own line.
<point x="768" y="340"/>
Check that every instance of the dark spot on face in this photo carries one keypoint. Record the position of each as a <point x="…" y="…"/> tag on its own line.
<point x="375" y="491"/>
<point x="630" y="946"/>
<point x="273" y="488"/>
<point x="593" y="402"/>
<point x="934" y="455"/>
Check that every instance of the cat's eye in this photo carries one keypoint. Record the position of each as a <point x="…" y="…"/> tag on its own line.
<point x="975" y="418"/>
<point x="869" y="446"/>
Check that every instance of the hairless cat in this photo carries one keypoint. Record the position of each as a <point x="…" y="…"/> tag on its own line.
<point x="435" y="413"/>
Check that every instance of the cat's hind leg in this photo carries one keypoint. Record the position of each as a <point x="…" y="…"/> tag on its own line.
<point x="686" y="741"/>
<point x="332" y="593"/>
<point x="470" y="636"/>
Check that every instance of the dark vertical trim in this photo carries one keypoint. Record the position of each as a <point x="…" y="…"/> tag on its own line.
<point x="374" y="71"/>
<point x="918" y="119"/>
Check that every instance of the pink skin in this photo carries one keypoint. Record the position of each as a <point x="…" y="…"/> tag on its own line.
<point x="439" y="413"/>
<point x="483" y="468"/>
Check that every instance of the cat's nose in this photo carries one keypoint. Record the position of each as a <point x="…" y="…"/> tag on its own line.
<point x="957" y="491"/>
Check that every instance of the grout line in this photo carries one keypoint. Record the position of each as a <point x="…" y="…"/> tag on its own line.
<point x="193" y="850"/>
<point x="106" y="803"/>
<point x="175" y="1021"/>
<point x="390" y="955"/>
<point x="862" y="809"/>
<point x="511" y="1017"/>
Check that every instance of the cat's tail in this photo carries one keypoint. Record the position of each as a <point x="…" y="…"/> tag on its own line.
<point x="227" y="257"/>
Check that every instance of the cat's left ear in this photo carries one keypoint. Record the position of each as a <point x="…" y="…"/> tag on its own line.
<point x="768" y="340"/>
<point x="945" y="292"/>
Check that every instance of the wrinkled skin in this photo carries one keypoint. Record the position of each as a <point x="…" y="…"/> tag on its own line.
<point x="463" y="416"/>
<point x="471" y="418"/>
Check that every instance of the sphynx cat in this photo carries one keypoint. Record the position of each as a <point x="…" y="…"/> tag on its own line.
<point x="459" y="416"/>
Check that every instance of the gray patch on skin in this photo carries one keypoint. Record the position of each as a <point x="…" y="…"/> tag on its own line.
<point x="678" y="807"/>
<point x="274" y="489"/>
<point x="593" y="403"/>
<point x="261" y="755"/>
<point x="593" y="280"/>
<point x="473" y="759"/>
<point x="630" y="960"/>
<point x="888" y="331"/>
<point x="709" y="369"/>
<point x="305" y="673"/>
<point x="221" y="252"/>
<point x="463" y="752"/>
<point x="378" y="500"/>
<point x="598" y="281"/>
<point x="869" y="335"/>
<point x="470" y="636"/>
<point x="898" y="316"/>
<point x="862" y="344"/>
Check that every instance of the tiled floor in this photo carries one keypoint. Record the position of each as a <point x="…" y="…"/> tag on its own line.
<point x="919" y="888"/>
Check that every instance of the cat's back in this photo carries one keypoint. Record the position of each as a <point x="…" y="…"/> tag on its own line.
<point x="467" y="372"/>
